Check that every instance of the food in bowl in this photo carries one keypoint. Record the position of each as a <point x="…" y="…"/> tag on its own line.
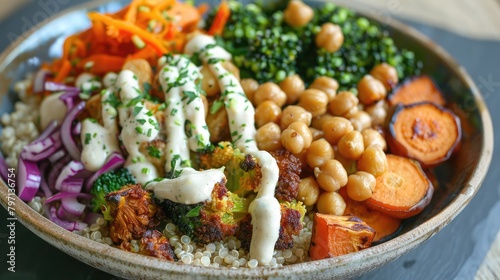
<point x="236" y="145"/>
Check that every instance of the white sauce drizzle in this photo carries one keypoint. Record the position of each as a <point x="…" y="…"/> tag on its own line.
<point x="138" y="126"/>
<point x="265" y="208"/>
<point x="100" y="141"/>
<point x="52" y="109"/>
<point x="184" y="105"/>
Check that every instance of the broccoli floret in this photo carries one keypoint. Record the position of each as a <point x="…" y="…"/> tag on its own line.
<point x="208" y="221"/>
<point x="241" y="170"/>
<point x="109" y="182"/>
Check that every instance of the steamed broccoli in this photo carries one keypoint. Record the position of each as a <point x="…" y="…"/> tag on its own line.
<point x="365" y="45"/>
<point x="109" y="182"/>
<point x="265" y="48"/>
<point x="208" y="221"/>
<point x="261" y="48"/>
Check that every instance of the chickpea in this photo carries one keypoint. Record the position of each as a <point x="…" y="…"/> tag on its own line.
<point x="387" y="74"/>
<point x="373" y="137"/>
<point x="343" y="103"/>
<point x="317" y="122"/>
<point x="360" y="186"/>
<point x="249" y="87"/>
<point x="293" y="86"/>
<point x="373" y="160"/>
<point x="296" y="138"/>
<point x="302" y="158"/>
<point x="361" y="120"/>
<point x="327" y="85"/>
<point x="335" y="128"/>
<point x="370" y="90"/>
<point x="348" y="164"/>
<point x="316" y="133"/>
<point x="266" y="112"/>
<point x="330" y="37"/>
<point x="268" y="137"/>
<point x="314" y="101"/>
<point x="318" y="153"/>
<point x="294" y="113"/>
<point x="308" y="191"/>
<point x="269" y="91"/>
<point x="331" y="203"/>
<point x="351" y="145"/>
<point x="378" y="112"/>
<point x="298" y="14"/>
<point x="331" y="176"/>
<point x="209" y="83"/>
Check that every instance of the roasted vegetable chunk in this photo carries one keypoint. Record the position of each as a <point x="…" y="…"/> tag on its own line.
<point x="131" y="212"/>
<point x="292" y="215"/>
<point x="289" y="179"/>
<point x="208" y="221"/>
<point x="155" y="244"/>
<point x="338" y="235"/>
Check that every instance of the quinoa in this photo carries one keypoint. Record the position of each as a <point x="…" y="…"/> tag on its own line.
<point x="19" y="127"/>
<point x="227" y="253"/>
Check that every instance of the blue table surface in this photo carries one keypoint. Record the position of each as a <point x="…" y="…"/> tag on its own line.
<point x="454" y="253"/>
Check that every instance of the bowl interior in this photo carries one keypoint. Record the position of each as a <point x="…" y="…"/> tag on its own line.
<point x="457" y="180"/>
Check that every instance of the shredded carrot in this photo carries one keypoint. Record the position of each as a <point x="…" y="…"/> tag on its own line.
<point x="101" y="64"/>
<point x="203" y="8"/>
<point x="220" y="19"/>
<point x="144" y="29"/>
<point x="64" y="71"/>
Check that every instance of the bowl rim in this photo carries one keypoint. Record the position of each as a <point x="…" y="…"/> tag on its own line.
<point x="367" y="259"/>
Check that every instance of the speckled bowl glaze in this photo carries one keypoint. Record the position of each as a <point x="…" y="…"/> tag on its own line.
<point x="459" y="179"/>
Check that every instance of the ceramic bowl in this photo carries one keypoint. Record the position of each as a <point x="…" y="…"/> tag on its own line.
<point x="459" y="178"/>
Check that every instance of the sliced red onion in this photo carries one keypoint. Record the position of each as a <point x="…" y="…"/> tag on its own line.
<point x="52" y="86"/>
<point x="65" y="215"/>
<point x="72" y="185"/>
<point x="39" y="80"/>
<point x="43" y="184"/>
<point x="56" y="170"/>
<point x="62" y="195"/>
<point x="69" y="225"/>
<point x="69" y="98"/>
<point x="66" y="127"/>
<point x="49" y="130"/>
<point x="64" y="224"/>
<point x="3" y="168"/>
<point x="79" y="226"/>
<point x="72" y="206"/>
<point x="28" y="181"/>
<point x="91" y="217"/>
<point x="77" y="129"/>
<point x="115" y="160"/>
<point x="55" y="157"/>
<point x="69" y="171"/>
<point x="42" y="149"/>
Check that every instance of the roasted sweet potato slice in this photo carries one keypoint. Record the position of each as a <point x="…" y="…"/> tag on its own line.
<point x="403" y="190"/>
<point x="417" y="89"/>
<point x="425" y="132"/>
<point x="385" y="226"/>
<point x="338" y="235"/>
